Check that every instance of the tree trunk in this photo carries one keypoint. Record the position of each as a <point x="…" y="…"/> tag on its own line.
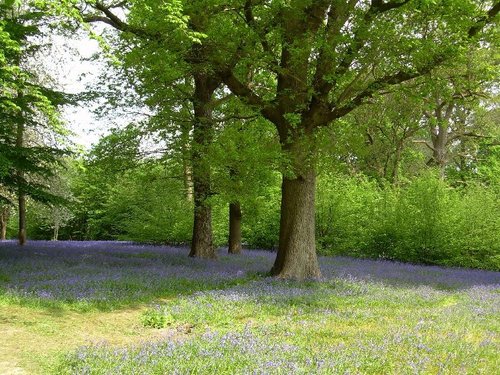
<point x="296" y="258"/>
<point x="439" y="137"/>
<point x="202" y="243"/>
<point x="188" y="180"/>
<point x="187" y="170"/>
<point x="202" y="240"/>
<point x="4" y="218"/>
<point x="234" y="228"/>
<point x="440" y="152"/>
<point x="55" y="235"/>
<point x="21" y="197"/>
<point x="22" y="218"/>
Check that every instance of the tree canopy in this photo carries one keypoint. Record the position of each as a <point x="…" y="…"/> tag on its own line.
<point x="240" y="90"/>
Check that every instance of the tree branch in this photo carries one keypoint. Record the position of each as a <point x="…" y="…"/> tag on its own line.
<point x="401" y="77"/>
<point x="241" y="90"/>
<point x="96" y="18"/>
<point x="119" y="4"/>
<point x="425" y="143"/>
<point x="468" y="134"/>
<point x="267" y="110"/>
<point x="217" y="102"/>
<point x="250" y="21"/>
<point x="235" y="117"/>
<point x="377" y="7"/>
<point x="337" y="17"/>
<point x="382" y="83"/>
<point x="482" y="22"/>
<point x="112" y="17"/>
<point x="113" y="20"/>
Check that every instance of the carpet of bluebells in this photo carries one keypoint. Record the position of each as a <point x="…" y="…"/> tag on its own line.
<point x="227" y="317"/>
<point x="97" y="274"/>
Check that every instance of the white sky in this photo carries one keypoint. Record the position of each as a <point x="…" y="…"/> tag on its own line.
<point x="74" y="77"/>
<point x="67" y="63"/>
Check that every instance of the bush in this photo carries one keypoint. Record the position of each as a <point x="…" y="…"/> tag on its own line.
<point x="148" y="206"/>
<point x="155" y="318"/>
<point x="424" y="221"/>
<point x="261" y="218"/>
<point x="345" y="209"/>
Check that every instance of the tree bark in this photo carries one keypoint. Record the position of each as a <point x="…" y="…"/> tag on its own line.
<point x="234" y="228"/>
<point x="22" y="219"/>
<point x="396" y="163"/>
<point x="202" y="240"/>
<point x="188" y="180"/>
<point x="4" y="218"/>
<point x="187" y="169"/>
<point x="297" y="257"/>
<point x="202" y="243"/>
<point x="440" y="136"/>
<point x="55" y="235"/>
<point x="440" y="152"/>
<point x="21" y="196"/>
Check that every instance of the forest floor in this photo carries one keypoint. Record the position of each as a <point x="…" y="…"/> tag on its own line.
<point x="123" y="308"/>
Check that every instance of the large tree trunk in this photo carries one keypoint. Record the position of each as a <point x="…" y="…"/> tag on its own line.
<point x="296" y="258"/>
<point x="202" y="242"/>
<point x="234" y="228"/>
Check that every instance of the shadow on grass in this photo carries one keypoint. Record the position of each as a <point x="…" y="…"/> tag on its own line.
<point x="103" y="276"/>
<point x="94" y="275"/>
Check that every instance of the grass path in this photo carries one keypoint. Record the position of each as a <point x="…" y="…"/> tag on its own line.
<point x="31" y="337"/>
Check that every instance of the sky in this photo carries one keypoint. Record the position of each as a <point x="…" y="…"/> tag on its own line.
<point x="64" y="62"/>
<point x="74" y="76"/>
<point x="67" y="63"/>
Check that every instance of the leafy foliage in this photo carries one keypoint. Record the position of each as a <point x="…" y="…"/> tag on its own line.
<point x="27" y="109"/>
<point x="423" y="221"/>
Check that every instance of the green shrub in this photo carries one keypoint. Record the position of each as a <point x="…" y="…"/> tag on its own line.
<point x="345" y="208"/>
<point x="423" y="221"/>
<point x="261" y="218"/>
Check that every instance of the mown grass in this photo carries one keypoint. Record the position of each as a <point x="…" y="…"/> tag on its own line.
<point x="154" y="311"/>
